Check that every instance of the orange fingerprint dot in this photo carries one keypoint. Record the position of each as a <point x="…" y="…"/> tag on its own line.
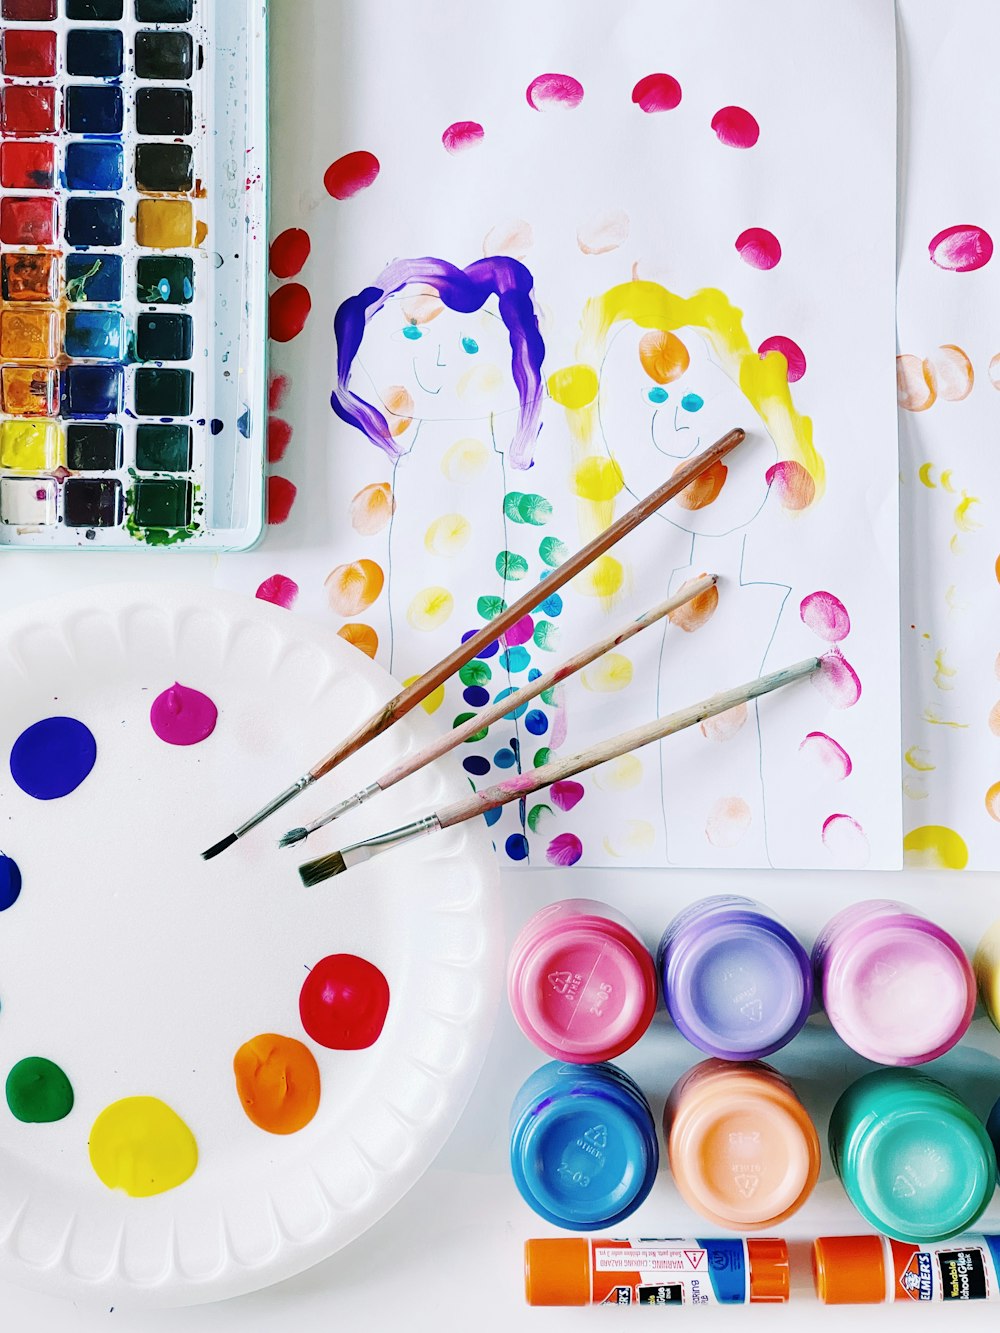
<point x="699" y="611"/>
<point x="995" y="719"/>
<point x="352" y="588"/>
<point x="277" y="1081"/>
<point x="725" y="725"/>
<point x="949" y="373"/>
<point x="704" y="490"/>
<point x="993" y="801"/>
<point x="995" y="371"/>
<point x="398" y="403"/>
<point x="363" y="637"/>
<point x="793" y="483"/>
<point x="423" y="306"/>
<point x="996" y="569"/>
<point x="727" y="822"/>
<point x="372" y="508"/>
<point x="664" y="357"/>
<point x="914" y="391"/>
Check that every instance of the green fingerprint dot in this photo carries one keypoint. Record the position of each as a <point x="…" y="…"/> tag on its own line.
<point x="476" y="735"/>
<point x="512" y="506"/>
<point x="511" y="566"/>
<point x="534" y="509"/>
<point x="491" y="607"/>
<point x="546" y="635"/>
<point x="549" y="697"/>
<point x="542" y="757"/>
<point x="475" y="673"/>
<point x="38" y="1091"/>
<point x="553" y="551"/>
<point x="536" y="814"/>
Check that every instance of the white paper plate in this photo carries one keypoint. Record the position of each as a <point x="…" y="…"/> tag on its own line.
<point x="140" y="969"/>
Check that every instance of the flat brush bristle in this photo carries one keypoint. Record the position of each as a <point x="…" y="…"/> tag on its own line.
<point x="293" y="836"/>
<point x="219" y="847"/>
<point x="324" y="867"/>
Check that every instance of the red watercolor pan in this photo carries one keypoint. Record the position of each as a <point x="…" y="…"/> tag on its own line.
<point x="30" y="221"/>
<point x="31" y="11"/>
<point x="29" y="110"/>
<point x="27" y="166"/>
<point x="29" y="53"/>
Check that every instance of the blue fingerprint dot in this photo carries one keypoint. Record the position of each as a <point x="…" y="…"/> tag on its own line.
<point x="412" y="332"/>
<point x="534" y="673"/>
<point x="536" y="722"/>
<point x="515" y="659"/>
<point x="516" y="846"/>
<point x="514" y="713"/>
<point x="476" y="764"/>
<point x="476" y="696"/>
<point x="505" y="759"/>
<point x="10" y="882"/>
<point x="490" y="650"/>
<point x="491" y="816"/>
<point x="692" y="402"/>
<point x="552" y="606"/>
<point x="470" y="345"/>
<point x="52" y="757"/>
<point x="657" y="395"/>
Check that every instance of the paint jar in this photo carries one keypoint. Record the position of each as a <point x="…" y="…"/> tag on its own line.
<point x="867" y="1270"/>
<point x="913" y="1159"/>
<point x="896" y="987"/>
<point x="583" y="1145"/>
<point x="581" y="983"/>
<point x="736" y="982"/>
<point x="742" y="1147"/>
<point x="986" y="966"/>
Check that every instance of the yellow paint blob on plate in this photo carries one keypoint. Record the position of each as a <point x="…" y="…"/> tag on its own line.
<point x="430" y="609"/>
<point x="165" y="224"/>
<point x="448" y="534"/>
<point x="141" y="1146"/>
<point x="30" y="446"/>
<point x="609" y="673"/>
<point x="433" y="701"/>
<point x="574" y="386"/>
<point x="465" y="460"/>
<point x="935" y="846"/>
<point x="598" y="479"/>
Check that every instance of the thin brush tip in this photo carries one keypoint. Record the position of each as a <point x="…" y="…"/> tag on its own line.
<point x="293" y="836"/>
<point x="324" y="867"/>
<point x="219" y="847"/>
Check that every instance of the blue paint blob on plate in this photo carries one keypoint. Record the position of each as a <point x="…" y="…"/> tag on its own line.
<point x="476" y="764"/>
<point x="10" y="882"/>
<point x="516" y="847"/>
<point x="52" y="757"/>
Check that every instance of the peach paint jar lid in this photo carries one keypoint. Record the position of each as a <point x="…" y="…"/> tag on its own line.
<point x="742" y="1148"/>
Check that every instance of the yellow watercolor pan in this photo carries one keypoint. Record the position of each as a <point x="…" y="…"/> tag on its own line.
<point x="31" y="446"/>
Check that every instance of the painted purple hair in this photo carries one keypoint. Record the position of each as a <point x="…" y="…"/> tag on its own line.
<point x="464" y="290"/>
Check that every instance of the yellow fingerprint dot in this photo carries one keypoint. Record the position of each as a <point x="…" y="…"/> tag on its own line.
<point x="926" y="475"/>
<point x="963" y="519"/>
<point x="598" y="479"/>
<point x="915" y="789"/>
<point x="638" y="835"/>
<point x="479" y="380"/>
<point x="611" y="672"/>
<point x="433" y="701"/>
<point x="946" y="481"/>
<point x="141" y="1146"/>
<point x="935" y="846"/>
<point x="448" y="534"/>
<point x="919" y="758"/>
<point x="620" y="774"/>
<point x="943" y="673"/>
<point x="430" y="608"/>
<point x="574" y="386"/>
<point x="993" y="801"/>
<point x="465" y="460"/>
<point x="604" y="578"/>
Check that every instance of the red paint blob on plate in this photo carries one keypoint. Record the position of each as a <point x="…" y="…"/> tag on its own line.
<point x="566" y="794"/>
<point x="287" y="311"/>
<point x="277" y="391"/>
<point x="344" y="1002"/>
<point x="182" y="716"/>
<point x="279" y="437"/>
<point x="554" y="92"/>
<point x="463" y="134"/>
<point x="794" y="356"/>
<point x="280" y="497"/>
<point x="961" y="249"/>
<point x="351" y="173"/>
<point x="657" y="92"/>
<point x="289" y="252"/>
<point x="735" y="127"/>
<point x="279" y="590"/>
<point x="758" y="247"/>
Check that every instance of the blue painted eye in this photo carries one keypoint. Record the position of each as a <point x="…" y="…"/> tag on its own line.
<point x="470" y="345"/>
<point x="692" y="402"/>
<point x="412" y="332"/>
<point x="658" y="395"/>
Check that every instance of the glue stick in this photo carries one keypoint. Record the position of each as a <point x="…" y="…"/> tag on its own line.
<point x="867" y="1270"/>
<point x="577" y="1271"/>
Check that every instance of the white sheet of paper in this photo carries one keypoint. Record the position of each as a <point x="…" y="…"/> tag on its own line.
<point x="592" y="196"/>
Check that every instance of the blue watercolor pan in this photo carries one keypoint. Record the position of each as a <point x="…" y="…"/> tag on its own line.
<point x="93" y="221"/>
<point x="94" y="108"/>
<point x="93" y="277"/>
<point x="94" y="165"/>
<point x="94" y="334"/>
<point x="92" y="391"/>
<point x="98" y="52"/>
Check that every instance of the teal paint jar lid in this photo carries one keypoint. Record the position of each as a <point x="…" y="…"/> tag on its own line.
<point x="912" y="1157"/>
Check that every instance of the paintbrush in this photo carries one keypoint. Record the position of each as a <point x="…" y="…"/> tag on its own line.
<point x="487" y="716"/>
<point x="324" y="867"/>
<point x="400" y="704"/>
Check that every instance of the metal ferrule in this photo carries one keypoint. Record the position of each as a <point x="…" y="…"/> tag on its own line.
<point x="349" y="803"/>
<point x="384" y="842"/>
<point x="266" y="811"/>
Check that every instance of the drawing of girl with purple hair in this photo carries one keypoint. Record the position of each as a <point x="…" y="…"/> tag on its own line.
<point x="439" y="368"/>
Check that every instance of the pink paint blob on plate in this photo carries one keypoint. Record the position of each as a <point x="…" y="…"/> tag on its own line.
<point x="554" y="92"/>
<point x="279" y="590"/>
<point x="837" y="681"/>
<point x="794" y="356"/>
<point x="961" y="249"/>
<point x="183" y="716"/>
<point x="735" y="127"/>
<point x="461" y="135"/>
<point x="826" y="616"/>
<point x="758" y="247"/>
<point x="657" y="92"/>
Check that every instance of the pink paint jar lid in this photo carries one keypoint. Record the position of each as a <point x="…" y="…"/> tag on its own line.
<point x="581" y="984"/>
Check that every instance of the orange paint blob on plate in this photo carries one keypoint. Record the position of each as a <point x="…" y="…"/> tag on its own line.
<point x="277" y="1081"/>
<point x="699" y="611"/>
<point x="704" y="490"/>
<point x="352" y="588"/>
<point x="663" y="356"/>
<point x="363" y="637"/>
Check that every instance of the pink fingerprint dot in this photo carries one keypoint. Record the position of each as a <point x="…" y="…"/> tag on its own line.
<point x="277" y="391"/>
<point x="792" y="483"/>
<point x="280" y="498"/>
<point x="279" y="590"/>
<point x="844" y="838"/>
<point x="461" y="135"/>
<point x="351" y="173"/>
<point x="758" y="247"/>
<point x="735" y="127"/>
<point x="829" y="754"/>
<point x="837" y="681"/>
<point x="279" y="437"/>
<point x="961" y="249"/>
<point x="826" y="616"/>
<point x="794" y="356"/>
<point x="182" y="716"/>
<point x="657" y="92"/>
<point x="520" y="632"/>
<point x="554" y="92"/>
<point x="566" y="794"/>
<point x="564" y="850"/>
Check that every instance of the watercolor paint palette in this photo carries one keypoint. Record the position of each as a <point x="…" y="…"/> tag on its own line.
<point x="132" y="274"/>
<point x="197" y="979"/>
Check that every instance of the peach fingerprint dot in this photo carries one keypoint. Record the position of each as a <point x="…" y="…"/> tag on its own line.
<point x="363" y="637"/>
<point x="792" y="484"/>
<point x="914" y="389"/>
<point x="995" y="719"/>
<point x="949" y="373"/>
<point x="993" y="802"/>
<point x="448" y="534"/>
<point x="603" y="234"/>
<point x="995" y="371"/>
<point x="430" y="609"/>
<point x="514" y="238"/>
<point x="423" y="306"/>
<point x="372" y="508"/>
<point x="996" y="664"/>
<point x="597" y="479"/>
<point x="663" y="356"/>
<point x="705" y="489"/>
<point x="699" y="611"/>
<point x="728" y="821"/>
<point x="725" y="725"/>
<point x="277" y="1082"/>
<point x="352" y="588"/>
<point x="398" y="403"/>
<point x="433" y="701"/>
<point x="465" y="460"/>
<point x="758" y="247"/>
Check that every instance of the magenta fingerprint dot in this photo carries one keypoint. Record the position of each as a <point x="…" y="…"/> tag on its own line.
<point x="758" y="247"/>
<point x="844" y="838"/>
<point x="279" y="590"/>
<point x="657" y="92"/>
<point x="837" y="681"/>
<point x="461" y="135"/>
<point x="564" y="850"/>
<point x="520" y="632"/>
<point x="828" y="753"/>
<point x="735" y="127"/>
<point x="566" y="794"/>
<point x="826" y="616"/>
<point x="795" y="358"/>
<point x="182" y="716"/>
<point x="961" y="249"/>
<point x="792" y="483"/>
<point x="554" y="92"/>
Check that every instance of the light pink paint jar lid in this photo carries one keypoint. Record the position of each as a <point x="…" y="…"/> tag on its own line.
<point x="896" y="987"/>
<point x="581" y="983"/>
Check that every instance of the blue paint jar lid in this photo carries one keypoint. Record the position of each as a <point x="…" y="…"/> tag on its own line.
<point x="583" y="1146"/>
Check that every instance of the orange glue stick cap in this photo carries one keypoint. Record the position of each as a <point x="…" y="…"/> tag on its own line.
<point x="849" y="1270"/>
<point x="768" y="1260"/>
<point x="557" y="1271"/>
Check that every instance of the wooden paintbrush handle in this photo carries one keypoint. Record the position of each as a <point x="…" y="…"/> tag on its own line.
<point x="414" y="694"/>
<point x="524" y="783"/>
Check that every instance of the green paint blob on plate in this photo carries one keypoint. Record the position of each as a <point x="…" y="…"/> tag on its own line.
<point x="536" y="814"/>
<point x="546" y="635"/>
<point x="553" y="551"/>
<point x="534" y="509"/>
<point x="542" y="757"/>
<point x="476" y="736"/>
<point x="511" y="566"/>
<point x="38" y="1092"/>
<point x="491" y="607"/>
<point x="475" y="673"/>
